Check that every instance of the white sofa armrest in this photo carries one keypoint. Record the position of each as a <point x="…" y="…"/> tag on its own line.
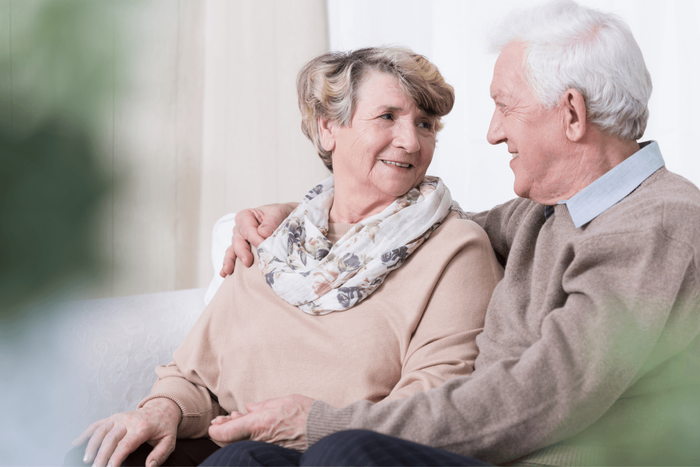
<point x="70" y="364"/>
<point x="114" y="345"/>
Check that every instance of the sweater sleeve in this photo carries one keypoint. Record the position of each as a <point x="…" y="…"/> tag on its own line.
<point x="184" y="380"/>
<point x="618" y="323"/>
<point x="501" y="222"/>
<point x="195" y="401"/>
<point x="444" y="344"/>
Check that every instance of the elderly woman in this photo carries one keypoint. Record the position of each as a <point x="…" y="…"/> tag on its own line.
<point x="350" y="300"/>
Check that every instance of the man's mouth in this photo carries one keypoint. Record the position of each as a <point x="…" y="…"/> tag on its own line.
<point x="513" y="155"/>
<point x="397" y="164"/>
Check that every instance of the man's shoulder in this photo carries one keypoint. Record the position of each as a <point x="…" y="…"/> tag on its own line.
<point x="675" y="197"/>
<point x="665" y="202"/>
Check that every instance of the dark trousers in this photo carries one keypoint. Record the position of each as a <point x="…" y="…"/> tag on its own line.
<point x="353" y="447"/>
<point x="188" y="452"/>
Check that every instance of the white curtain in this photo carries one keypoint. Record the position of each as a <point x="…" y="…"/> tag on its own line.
<point x="253" y="149"/>
<point x="205" y="121"/>
<point x="451" y="34"/>
<point x="202" y="121"/>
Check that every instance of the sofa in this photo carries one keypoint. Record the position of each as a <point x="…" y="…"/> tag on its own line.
<point x="80" y="361"/>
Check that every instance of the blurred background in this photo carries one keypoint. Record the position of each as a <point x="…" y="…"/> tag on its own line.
<point x="128" y="127"/>
<point x="189" y="110"/>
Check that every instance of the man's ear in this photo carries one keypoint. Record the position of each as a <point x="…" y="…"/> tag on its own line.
<point x="326" y="133"/>
<point x="574" y="106"/>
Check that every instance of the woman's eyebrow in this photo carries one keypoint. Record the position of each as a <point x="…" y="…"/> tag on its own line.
<point x="393" y="108"/>
<point x="390" y="108"/>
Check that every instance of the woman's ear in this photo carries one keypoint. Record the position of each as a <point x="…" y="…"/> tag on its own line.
<point x="574" y="106"/>
<point x="326" y="134"/>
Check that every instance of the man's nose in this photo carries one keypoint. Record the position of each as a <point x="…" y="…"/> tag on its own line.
<point x="496" y="135"/>
<point x="406" y="137"/>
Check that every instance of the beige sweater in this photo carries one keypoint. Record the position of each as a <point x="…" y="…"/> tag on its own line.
<point x="415" y="332"/>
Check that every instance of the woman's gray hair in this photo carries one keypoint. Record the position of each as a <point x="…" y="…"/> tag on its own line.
<point x="572" y="47"/>
<point x="328" y="86"/>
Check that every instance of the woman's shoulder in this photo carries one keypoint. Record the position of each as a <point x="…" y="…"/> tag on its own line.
<point x="456" y="228"/>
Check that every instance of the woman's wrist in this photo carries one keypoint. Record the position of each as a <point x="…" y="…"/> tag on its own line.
<point x="165" y="408"/>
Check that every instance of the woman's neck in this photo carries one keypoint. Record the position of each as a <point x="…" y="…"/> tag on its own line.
<point x="352" y="206"/>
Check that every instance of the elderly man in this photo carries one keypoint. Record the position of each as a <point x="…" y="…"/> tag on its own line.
<point x="590" y="352"/>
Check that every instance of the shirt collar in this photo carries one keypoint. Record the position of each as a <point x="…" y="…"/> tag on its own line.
<point x="614" y="185"/>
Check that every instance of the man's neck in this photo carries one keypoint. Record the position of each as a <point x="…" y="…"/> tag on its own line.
<point x="593" y="158"/>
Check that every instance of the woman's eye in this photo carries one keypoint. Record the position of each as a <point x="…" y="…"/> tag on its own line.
<point x="425" y="125"/>
<point x="387" y="116"/>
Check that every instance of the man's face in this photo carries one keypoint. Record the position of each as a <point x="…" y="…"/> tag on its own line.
<point x="535" y="136"/>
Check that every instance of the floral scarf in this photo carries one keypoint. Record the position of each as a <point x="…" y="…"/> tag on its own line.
<point x="306" y="270"/>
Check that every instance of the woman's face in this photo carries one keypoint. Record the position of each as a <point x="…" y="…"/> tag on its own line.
<point x="388" y="146"/>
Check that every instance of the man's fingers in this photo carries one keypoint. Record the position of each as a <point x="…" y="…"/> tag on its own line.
<point x="253" y="406"/>
<point x="229" y="262"/>
<point x="160" y="452"/>
<point x="265" y="231"/>
<point x="248" y="232"/>
<point x="242" y="251"/>
<point x="233" y="430"/>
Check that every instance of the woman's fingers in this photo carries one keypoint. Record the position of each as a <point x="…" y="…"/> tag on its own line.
<point x="225" y="418"/>
<point x="220" y="419"/>
<point x="98" y="434"/>
<point x="85" y="435"/>
<point x="109" y="444"/>
<point x="160" y="452"/>
<point x="231" y="430"/>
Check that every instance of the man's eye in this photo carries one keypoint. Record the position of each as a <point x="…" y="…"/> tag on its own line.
<point x="387" y="116"/>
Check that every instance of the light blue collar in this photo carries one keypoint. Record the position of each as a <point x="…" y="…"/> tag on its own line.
<point x="614" y="185"/>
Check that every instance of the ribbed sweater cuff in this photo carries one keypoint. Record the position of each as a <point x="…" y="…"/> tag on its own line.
<point x="324" y="419"/>
<point x="189" y="423"/>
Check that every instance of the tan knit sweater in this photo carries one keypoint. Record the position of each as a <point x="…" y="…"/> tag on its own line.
<point x="590" y="353"/>
<point x="415" y="332"/>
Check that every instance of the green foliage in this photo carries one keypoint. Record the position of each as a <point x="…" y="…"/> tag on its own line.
<point x="49" y="188"/>
<point x="58" y="69"/>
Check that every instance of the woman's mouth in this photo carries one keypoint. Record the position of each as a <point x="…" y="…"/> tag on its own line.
<point x="513" y="155"/>
<point x="397" y="164"/>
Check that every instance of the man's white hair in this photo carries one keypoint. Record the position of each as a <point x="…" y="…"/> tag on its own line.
<point x="573" y="47"/>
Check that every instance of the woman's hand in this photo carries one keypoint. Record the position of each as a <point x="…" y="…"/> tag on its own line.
<point x="114" y="438"/>
<point x="252" y="227"/>
<point x="280" y="421"/>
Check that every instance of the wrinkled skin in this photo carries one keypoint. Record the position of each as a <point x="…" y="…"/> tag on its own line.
<point x="280" y="421"/>
<point x="252" y="227"/>
<point x="111" y="440"/>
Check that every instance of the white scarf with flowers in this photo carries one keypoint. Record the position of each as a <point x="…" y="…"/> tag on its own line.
<point x="306" y="270"/>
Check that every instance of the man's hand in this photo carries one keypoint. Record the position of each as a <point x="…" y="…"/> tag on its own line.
<point x="279" y="421"/>
<point x="252" y="227"/>
<point x="114" y="438"/>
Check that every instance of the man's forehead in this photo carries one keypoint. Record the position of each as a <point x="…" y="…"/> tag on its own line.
<point x="501" y="88"/>
<point x="508" y="70"/>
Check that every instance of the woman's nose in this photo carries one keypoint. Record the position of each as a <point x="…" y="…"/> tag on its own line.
<point x="406" y="137"/>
